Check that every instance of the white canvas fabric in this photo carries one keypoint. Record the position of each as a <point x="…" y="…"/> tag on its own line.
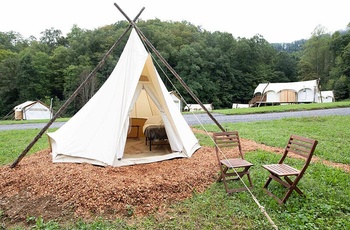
<point x="97" y="133"/>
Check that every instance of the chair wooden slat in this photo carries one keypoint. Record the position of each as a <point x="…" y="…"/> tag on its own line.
<point x="282" y="169"/>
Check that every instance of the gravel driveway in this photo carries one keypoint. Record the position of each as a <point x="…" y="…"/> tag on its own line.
<point x="193" y="119"/>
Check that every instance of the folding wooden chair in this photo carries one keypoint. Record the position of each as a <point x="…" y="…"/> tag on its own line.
<point x="301" y="146"/>
<point x="231" y="168"/>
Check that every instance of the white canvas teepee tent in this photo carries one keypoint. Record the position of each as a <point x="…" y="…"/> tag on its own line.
<point x="99" y="138"/>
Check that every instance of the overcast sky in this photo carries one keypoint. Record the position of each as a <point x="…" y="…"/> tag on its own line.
<point x="275" y="20"/>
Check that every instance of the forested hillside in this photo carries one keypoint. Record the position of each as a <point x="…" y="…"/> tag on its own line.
<point x="218" y="67"/>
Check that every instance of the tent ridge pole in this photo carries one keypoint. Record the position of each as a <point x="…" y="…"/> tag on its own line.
<point x="71" y="98"/>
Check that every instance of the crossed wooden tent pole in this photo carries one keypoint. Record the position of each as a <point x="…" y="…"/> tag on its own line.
<point x="93" y="73"/>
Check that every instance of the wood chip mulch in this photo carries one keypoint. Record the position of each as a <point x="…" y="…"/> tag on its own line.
<point x="39" y="188"/>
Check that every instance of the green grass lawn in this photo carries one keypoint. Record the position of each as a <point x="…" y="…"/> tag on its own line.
<point x="283" y="108"/>
<point x="332" y="132"/>
<point x="10" y="122"/>
<point x="326" y="206"/>
<point x="13" y="142"/>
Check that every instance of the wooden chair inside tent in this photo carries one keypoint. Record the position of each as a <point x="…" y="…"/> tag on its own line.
<point x="301" y="146"/>
<point x="231" y="167"/>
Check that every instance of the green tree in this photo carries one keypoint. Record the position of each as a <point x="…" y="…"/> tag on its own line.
<point x="316" y="60"/>
<point x="33" y="78"/>
<point x="9" y="70"/>
<point x="286" y="65"/>
<point x="340" y="47"/>
<point x="52" y="38"/>
<point x="341" y="88"/>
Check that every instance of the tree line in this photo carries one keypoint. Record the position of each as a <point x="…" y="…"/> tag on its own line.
<point x="219" y="68"/>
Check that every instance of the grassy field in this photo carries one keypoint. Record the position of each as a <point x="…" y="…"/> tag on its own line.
<point x="13" y="142"/>
<point x="10" y="122"/>
<point x="284" y="108"/>
<point x="326" y="206"/>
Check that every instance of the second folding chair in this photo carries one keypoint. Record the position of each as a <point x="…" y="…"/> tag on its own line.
<point x="232" y="164"/>
<point x="285" y="174"/>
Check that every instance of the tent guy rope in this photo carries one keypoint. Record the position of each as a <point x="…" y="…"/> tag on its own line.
<point x="262" y="208"/>
<point x="194" y="97"/>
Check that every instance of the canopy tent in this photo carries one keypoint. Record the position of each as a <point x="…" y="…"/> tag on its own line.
<point x="100" y="139"/>
<point x="32" y="110"/>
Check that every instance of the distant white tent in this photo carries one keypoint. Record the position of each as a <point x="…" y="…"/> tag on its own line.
<point x="326" y="96"/>
<point x="32" y="110"/>
<point x="96" y="138"/>
<point x="237" y="106"/>
<point x="176" y="100"/>
<point x="291" y="92"/>
<point x="198" y="107"/>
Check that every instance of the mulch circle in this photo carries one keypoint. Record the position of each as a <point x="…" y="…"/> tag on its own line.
<point x="38" y="188"/>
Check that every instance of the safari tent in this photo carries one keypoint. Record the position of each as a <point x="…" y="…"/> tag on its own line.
<point x="32" y="110"/>
<point x="131" y="97"/>
<point x="287" y="92"/>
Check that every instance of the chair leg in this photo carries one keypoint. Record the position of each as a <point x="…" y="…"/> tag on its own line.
<point x="295" y="187"/>
<point x="290" y="188"/>
<point x="269" y="192"/>
<point x="222" y="173"/>
<point x="223" y="177"/>
<point x="250" y="181"/>
<point x="226" y="186"/>
<point x="287" y="195"/>
<point x="267" y="182"/>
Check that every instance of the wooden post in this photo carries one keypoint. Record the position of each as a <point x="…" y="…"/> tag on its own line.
<point x="263" y="94"/>
<point x="71" y="98"/>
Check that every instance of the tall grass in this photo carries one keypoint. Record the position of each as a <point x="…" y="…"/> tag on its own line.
<point x="326" y="205"/>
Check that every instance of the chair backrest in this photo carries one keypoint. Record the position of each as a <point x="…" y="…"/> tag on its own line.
<point x="227" y="140"/>
<point x="301" y="146"/>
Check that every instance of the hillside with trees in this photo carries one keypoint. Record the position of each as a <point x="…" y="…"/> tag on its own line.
<point x="218" y="67"/>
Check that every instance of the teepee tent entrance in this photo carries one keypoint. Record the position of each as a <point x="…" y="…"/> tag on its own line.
<point x="93" y="138"/>
<point x="144" y="106"/>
